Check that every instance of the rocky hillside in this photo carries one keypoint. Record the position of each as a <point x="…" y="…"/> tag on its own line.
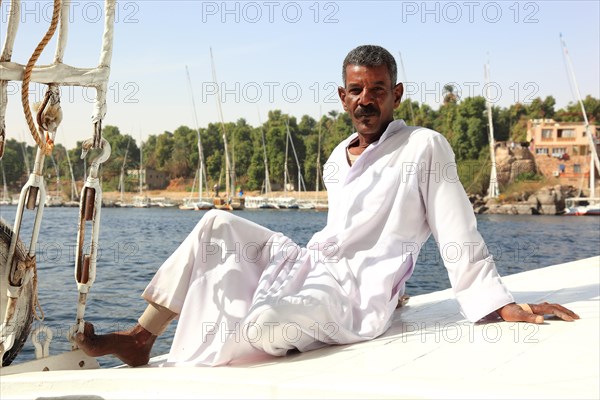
<point x="549" y="200"/>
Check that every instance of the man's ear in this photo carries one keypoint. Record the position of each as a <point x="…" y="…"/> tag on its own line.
<point x="342" y="94"/>
<point x="398" y="91"/>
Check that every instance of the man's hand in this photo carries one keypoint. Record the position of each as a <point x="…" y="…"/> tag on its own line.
<point x="534" y="313"/>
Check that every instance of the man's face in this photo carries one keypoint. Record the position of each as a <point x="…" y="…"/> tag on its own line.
<point x="370" y="98"/>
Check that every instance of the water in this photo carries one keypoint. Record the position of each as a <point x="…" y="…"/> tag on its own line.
<point x="134" y="243"/>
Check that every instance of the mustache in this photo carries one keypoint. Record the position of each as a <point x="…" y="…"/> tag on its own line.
<point x="365" y="111"/>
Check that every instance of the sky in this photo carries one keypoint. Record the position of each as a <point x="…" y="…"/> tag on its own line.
<point x="287" y="55"/>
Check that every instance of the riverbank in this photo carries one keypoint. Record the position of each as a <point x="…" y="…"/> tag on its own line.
<point x="178" y="196"/>
<point x="538" y="199"/>
<point x="535" y="200"/>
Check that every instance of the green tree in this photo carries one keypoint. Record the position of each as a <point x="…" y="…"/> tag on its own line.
<point x="572" y="112"/>
<point x="541" y="108"/>
<point x="184" y="153"/>
<point x="243" y="144"/>
<point x="275" y="137"/>
<point x="446" y="120"/>
<point x="11" y="163"/>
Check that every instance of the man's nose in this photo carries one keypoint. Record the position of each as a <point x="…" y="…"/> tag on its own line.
<point x="366" y="98"/>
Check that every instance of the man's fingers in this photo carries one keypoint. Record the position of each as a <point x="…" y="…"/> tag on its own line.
<point x="526" y="316"/>
<point x="554" y="309"/>
<point x="534" y="313"/>
<point x="515" y="313"/>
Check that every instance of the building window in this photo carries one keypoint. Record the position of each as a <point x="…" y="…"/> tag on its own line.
<point x="547" y="133"/>
<point x="577" y="168"/>
<point x="566" y="133"/>
<point x="562" y="168"/>
<point x="583" y="150"/>
<point x="541" y="150"/>
<point x="558" y="151"/>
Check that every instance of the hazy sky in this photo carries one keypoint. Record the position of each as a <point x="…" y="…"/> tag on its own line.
<point x="287" y="55"/>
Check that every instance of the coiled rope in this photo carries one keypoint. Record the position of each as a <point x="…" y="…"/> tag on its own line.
<point x="43" y="141"/>
<point x="22" y="267"/>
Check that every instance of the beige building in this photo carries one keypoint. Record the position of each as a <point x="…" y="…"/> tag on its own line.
<point x="562" y="150"/>
<point x="151" y="178"/>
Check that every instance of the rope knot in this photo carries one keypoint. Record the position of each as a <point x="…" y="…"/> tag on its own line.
<point x="2" y="140"/>
<point x="49" y="115"/>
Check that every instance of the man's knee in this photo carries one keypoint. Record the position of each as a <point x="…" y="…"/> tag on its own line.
<point x="268" y="333"/>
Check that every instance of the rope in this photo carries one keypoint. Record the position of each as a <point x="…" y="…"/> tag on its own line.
<point x="2" y="128"/>
<point x="46" y="144"/>
<point x="36" y="300"/>
<point x="22" y="267"/>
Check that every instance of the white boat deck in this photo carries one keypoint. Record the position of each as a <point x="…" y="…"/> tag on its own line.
<point x="430" y="352"/>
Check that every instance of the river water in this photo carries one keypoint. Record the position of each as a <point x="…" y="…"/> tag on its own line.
<point x="134" y="242"/>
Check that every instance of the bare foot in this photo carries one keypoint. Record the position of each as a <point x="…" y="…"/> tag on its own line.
<point x="403" y="300"/>
<point x="132" y="346"/>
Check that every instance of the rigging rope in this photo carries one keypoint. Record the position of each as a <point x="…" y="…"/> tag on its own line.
<point x="45" y="143"/>
<point x="19" y="275"/>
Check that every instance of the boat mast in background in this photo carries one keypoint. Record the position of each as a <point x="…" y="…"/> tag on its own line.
<point x="202" y="171"/>
<point x="301" y="185"/>
<point x="493" y="190"/>
<point x="412" y="116"/>
<point x="594" y="162"/>
<point x="318" y="172"/>
<point x="74" y="190"/>
<point x="229" y="172"/>
<point x="267" y="180"/>
<point x="5" y="198"/>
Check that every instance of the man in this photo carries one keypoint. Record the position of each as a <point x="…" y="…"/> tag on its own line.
<point x="242" y="291"/>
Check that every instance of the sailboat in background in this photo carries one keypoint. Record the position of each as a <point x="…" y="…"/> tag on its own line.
<point x="405" y="79"/>
<point x="263" y="201"/>
<point x="73" y="202"/>
<point x="55" y="200"/>
<point x="493" y="190"/>
<point x="121" y="202"/>
<point x="285" y="201"/>
<point x="319" y="205"/>
<point x="190" y="203"/>
<point x="231" y="202"/>
<point x="292" y="202"/>
<point x="25" y="155"/>
<point x="5" y="200"/>
<point x="583" y="205"/>
<point x="141" y="200"/>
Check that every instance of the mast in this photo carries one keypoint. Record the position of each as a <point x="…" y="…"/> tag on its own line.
<point x="300" y="180"/>
<point x="285" y="165"/>
<point x="122" y="178"/>
<point x="267" y="180"/>
<point x="57" y="192"/>
<point x="141" y="167"/>
<point x="594" y="162"/>
<point x="73" y="186"/>
<point x="318" y="174"/>
<point x="229" y="173"/>
<point x="201" y="173"/>
<point x="412" y="117"/>
<point x="25" y="156"/>
<point x="5" y="187"/>
<point x="493" y="190"/>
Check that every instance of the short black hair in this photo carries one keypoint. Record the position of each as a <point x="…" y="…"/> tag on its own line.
<point x="371" y="56"/>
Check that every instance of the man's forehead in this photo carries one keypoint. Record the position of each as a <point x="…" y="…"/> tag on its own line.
<point x="377" y="73"/>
